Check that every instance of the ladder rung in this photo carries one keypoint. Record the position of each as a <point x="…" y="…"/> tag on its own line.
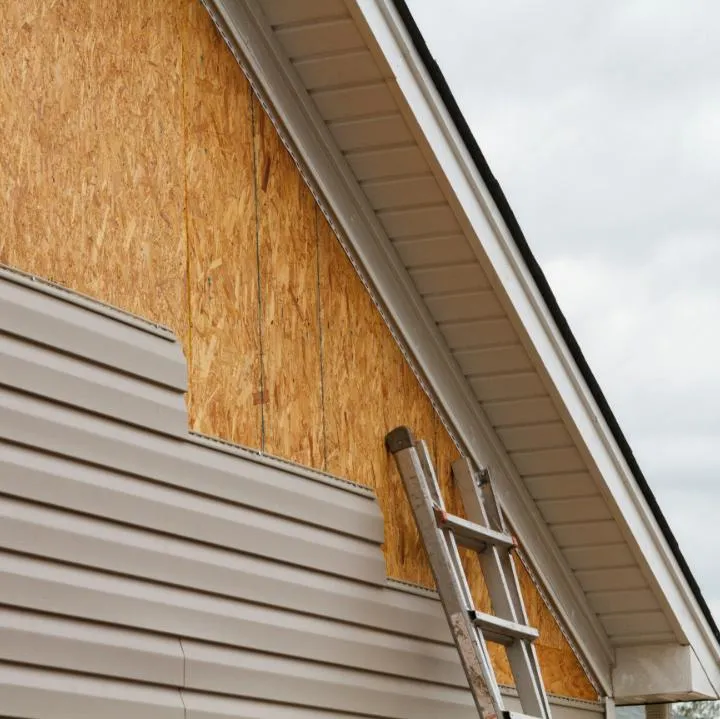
<point x="470" y="535"/>
<point x="502" y="631"/>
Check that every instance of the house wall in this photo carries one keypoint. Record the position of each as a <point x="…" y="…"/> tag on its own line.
<point x="139" y="168"/>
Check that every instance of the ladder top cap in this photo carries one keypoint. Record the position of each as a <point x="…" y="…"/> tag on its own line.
<point x="398" y="439"/>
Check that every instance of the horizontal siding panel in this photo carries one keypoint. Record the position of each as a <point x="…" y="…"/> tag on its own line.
<point x="535" y="436"/>
<point x="91" y="490"/>
<point x="595" y="580"/>
<point x="634" y="600"/>
<point x="405" y="192"/>
<point x="464" y="306"/>
<point x="585" y="532"/>
<point x="387" y="162"/>
<point x="411" y="222"/>
<point x="433" y="250"/>
<point x="582" y="509"/>
<point x="279" y="12"/>
<point x="317" y="38"/>
<point x="634" y="623"/>
<point x="200" y="705"/>
<point x="356" y="66"/>
<point x="493" y="360"/>
<point x="353" y="102"/>
<point x="517" y="385"/>
<point x="478" y="333"/>
<point x="512" y="413"/>
<point x="42" y="586"/>
<point x="42" y="371"/>
<point x="560" y="486"/>
<point x="605" y="556"/>
<point x="61" y="643"/>
<point x="43" y="694"/>
<point x="452" y="278"/>
<point x="262" y="676"/>
<point x="64" y="431"/>
<point x="56" y="534"/>
<point x="370" y="133"/>
<point x="32" y="314"/>
<point x="548" y="461"/>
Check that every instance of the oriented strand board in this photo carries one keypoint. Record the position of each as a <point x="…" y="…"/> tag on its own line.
<point x="368" y="389"/>
<point x="224" y="358"/>
<point x="292" y="398"/>
<point x="562" y="672"/>
<point x="91" y="172"/>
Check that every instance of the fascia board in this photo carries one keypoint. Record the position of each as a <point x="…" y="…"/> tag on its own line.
<point x="246" y="31"/>
<point x="498" y="246"/>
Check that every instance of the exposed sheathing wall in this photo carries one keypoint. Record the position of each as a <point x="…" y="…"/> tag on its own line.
<point x="137" y="167"/>
<point x="220" y="215"/>
<point x="91" y="157"/>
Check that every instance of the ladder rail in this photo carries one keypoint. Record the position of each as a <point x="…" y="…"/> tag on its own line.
<point x="455" y="598"/>
<point x="503" y="586"/>
<point x="484" y="532"/>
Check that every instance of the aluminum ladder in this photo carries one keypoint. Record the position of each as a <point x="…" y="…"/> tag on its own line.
<point x="485" y="533"/>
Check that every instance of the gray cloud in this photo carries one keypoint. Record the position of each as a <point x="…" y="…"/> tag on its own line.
<point x="602" y="123"/>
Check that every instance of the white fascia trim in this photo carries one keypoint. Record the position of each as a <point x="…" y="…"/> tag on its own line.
<point x="499" y="247"/>
<point x="248" y="34"/>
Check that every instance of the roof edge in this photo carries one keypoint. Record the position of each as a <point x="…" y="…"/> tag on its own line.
<point x="461" y="125"/>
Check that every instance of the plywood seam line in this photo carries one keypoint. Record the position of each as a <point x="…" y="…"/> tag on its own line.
<point x="186" y="216"/>
<point x="253" y="122"/>
<point x="347" y="248"/>
<point x="320" y="331"/>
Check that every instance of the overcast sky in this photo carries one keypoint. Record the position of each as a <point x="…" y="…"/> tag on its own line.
<point x="601" y="120"/>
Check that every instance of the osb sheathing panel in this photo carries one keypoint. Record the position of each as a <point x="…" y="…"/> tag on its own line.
<point x="137" y="167"/>
<point x="289" y="310"/>
<point x="221" y="216"/>
<point x="91" y="163"/>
